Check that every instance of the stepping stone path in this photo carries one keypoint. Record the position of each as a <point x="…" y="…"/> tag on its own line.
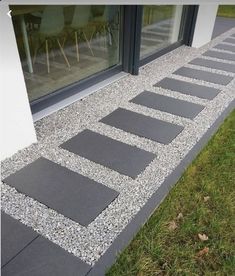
<point x="81" y="199"/>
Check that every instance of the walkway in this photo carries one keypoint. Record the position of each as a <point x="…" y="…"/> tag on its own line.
<point x="222" y="25"/>
<point x="101" y="165"/>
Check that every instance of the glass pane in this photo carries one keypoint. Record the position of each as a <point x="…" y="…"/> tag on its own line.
<point x="160" y="27"/>
<point x="60" y="45"/>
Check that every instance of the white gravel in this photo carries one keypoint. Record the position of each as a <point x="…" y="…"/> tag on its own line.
<point x="89" y="243"/>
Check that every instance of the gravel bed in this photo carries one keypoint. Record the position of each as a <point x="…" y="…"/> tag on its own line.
<point x="89" y="243"/>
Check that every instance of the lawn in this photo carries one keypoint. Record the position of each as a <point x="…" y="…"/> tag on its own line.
<point x="193" y="230"/>
<point x="226" y="11"/>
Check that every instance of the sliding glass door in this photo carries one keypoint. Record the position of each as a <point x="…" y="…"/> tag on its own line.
<point x="161" y="27"/>
<point x="61" y="45"/>
<point x="67" y="48"/>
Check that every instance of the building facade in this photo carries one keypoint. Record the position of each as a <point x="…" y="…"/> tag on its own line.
<point x="53" y="55"/>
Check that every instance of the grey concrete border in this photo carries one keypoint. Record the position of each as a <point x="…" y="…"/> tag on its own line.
<point x="135" y="224"/>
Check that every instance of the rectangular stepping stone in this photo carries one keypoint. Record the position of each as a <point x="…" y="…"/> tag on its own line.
<point x="151" y="36"/>
<point x="214" y="64"/>
<point x="71" y="194"/>
<point x="118" y="156"/>
<point x="203" y="75"/>
<point x="188" y="88"/>
<point x="225" y="47"/>
<point x="147" y="42"/>
<point x="159" y="30"/>
<point x="220" y="55"/>
<point x="15" y="236"/>
<point x="44" y="258"/>
<point x="230" y="40"/>
<point x="142" y="125"/>
<point x="168" y="104"/>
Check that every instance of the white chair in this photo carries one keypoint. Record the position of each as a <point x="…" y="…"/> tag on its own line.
<point x="79" y="22"/>
<point x="50" y="31"/>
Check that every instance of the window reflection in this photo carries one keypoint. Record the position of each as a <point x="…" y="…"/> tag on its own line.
<point x="60" y="45"/>
<point x="160" y="27"/>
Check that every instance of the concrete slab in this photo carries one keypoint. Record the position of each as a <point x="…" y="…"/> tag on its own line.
<point x="225" y="47"/>
<point x="71" y="194"/>
<point x="15" y="236"/>
<point x="220" y="55"/>
<point x="188" y="88"/>
<point x="214" y="64"/>
<point x="145" y="126"/>
<point x="44" y="258"/>
<point x="118" y="156"/>
<point x="168" y="104"/>
<point x="203" y="75"/>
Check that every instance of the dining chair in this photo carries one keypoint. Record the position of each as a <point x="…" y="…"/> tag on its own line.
<point x="79" y="24"/>
<point x="105" y="23"/>
<point x="50" y="31"/>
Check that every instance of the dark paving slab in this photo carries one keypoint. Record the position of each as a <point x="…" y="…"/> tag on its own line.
<point x="71" y="194"/>
<point x="15" y="236"/>
<point x="222" y="24"/>
<point x="151" y="36"/>
<point x="230" y="40"/>
<point x="160" y="30"/>
<point x="203" y="75"/>
<point x="168" y="104"/>
<point x="225" y="47"/>
<point x="145" y="126"/>
<point x="220" y="55"/>
<point x="44" y="258"/>
<point x="214" y="64"/>
<point x="146" y="42"/>
<point x="118" y="156"/>
<point x="192" y="89"/>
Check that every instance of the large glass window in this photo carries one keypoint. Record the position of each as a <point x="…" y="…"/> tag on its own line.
<point x="60" y="45"/>
<point x="160" y="27"/>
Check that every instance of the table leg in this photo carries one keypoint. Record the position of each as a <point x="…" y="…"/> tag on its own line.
<point x="26" y="44"/>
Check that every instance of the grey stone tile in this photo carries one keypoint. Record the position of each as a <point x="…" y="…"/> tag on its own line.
<point x="15" y="236"/>
<point x="214" y="64"/>
<point x="168" y="104"/>
<point x="118" y="156"/>
<point x="230" y="40"/>
<point x="44" y="258"/>
<point x="233" y="35"/>
<point x="141" y="125"/>
<point x="225" y="47"/>
<point x="188" y="88"/>
<point x="146" y="42"/>
<point x="203" y="75"/>
<point x="220" y="55"/>
<point x="71" y="194"/>
<point x="159" y="30"/>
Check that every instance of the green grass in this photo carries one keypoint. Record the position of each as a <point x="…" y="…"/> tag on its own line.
<point x="157" y="250"/>
<point x="226" y="11"/>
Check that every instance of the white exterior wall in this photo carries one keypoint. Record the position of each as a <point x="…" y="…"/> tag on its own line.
<point x="17" y="129"/>
<point x="204" y="25"/>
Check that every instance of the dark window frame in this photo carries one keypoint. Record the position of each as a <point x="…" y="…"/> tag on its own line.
<point x="130" y="39"/>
